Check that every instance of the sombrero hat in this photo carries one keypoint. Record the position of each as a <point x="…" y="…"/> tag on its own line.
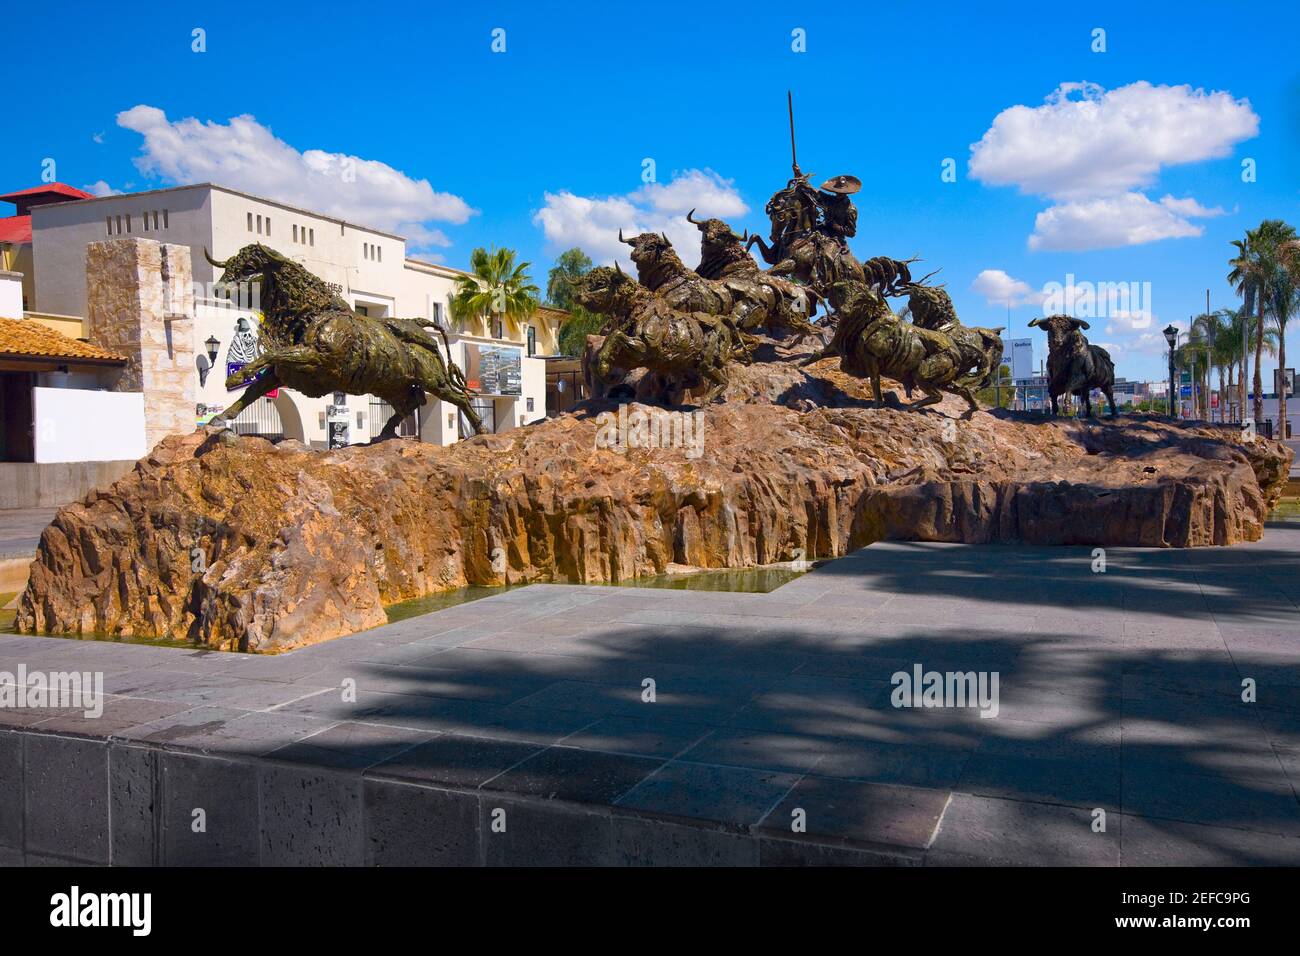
<point x="844" y="185"/>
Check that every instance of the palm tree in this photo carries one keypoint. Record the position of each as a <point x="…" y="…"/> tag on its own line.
<point x="1254" y="274"/>
<point x="1286" y="303"/>
<point x="1225" y="345"/>
<point x="496" y="288"/>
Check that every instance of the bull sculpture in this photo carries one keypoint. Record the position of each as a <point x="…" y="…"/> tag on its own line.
<point x="1075" y="367"/>
<point x="314" y="343"/>
<point x="931" y="308"/>
<point x="681" y="349"/>
<point x="751" y="300"/>
<point x="872" y="341"/>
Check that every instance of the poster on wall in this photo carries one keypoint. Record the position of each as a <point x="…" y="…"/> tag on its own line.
<point x="494" y="369"/>
<point x="244" y="348"/>
<point x="338" y="422"/>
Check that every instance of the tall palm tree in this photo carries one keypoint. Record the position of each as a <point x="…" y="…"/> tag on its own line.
<point x="1254" y="274"/>
<point x="1224" y="347"/>
<point x="1286" y="303"/>
<point x="497" y="289"/>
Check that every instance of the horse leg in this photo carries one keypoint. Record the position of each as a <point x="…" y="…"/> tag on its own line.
<point x="932" y="396"/>
<point x="1055" y="410"/>
<point x="255" y="391"/>
<point x="968" y="393"/>
<point x="1110" y="397"/>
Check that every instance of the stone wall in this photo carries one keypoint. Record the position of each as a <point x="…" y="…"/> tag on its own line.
<point x="140" y="303"/>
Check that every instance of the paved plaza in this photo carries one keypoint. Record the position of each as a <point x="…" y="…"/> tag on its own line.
<point x="1121" y="736"/>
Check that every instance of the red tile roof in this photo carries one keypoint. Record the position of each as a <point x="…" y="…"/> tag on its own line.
<point x="29" y="339"/>
<point x="54" y="189"/>
<point x="16" y="229"/>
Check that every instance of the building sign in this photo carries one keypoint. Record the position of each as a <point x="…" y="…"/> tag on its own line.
<point x="1022" y="359"/>
<point x="494" y="369"/>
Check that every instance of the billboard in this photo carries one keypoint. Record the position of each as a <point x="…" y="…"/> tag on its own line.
<point x="494" y="369"/>
<point x="1022" y="359"/>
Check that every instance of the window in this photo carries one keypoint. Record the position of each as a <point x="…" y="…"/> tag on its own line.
<point x="532" y="345"/>
<point x="119" y="225"/>
<point x="128" y="222"/>
<point x="295" y="232"/>
<point x="268" y="225"/>
<point x="380" y="251"/>
<point x="165" y="219"/>
<point x="250" y="222"/>
<point x="437" y="315"/>
<point x="108" y="224"/>
<point x="311" y="237"/>
<point x="259" y="225"/>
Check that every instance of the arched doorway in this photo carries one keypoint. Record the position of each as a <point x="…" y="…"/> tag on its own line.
<point x="290" y="417"/>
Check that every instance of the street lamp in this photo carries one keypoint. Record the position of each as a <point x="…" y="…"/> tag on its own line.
<point x="1171" y="336"/>
<point x="212" y="343"/>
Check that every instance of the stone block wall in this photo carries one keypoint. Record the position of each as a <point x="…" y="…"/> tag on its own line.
<point x="140" y="303"/>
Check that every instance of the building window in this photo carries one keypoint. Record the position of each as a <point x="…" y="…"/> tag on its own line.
<point x="250" y="222"/>
<point x="437" y="315"/>
<point x="259" y="225"/>
<point x="268" y="225"/>
<point x="165" y="219"/>
<point x="379" y="251"/>
<point x="532" y="344"/>
<point x="295" y="232"/>
<point x="311" y="237"/>
<point x="108" y="224"/>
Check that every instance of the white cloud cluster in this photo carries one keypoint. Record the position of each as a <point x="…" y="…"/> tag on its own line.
<point x="243" y="154"/>
<point x="1129" y="219"/>
<point x="593" y="223"/>
<point x="999" y="288"/>
<point x="1091" y="151"/>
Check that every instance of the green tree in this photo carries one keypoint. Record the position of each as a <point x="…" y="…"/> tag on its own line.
<point x="497" y="289"/>
<point x="1255" y="271"/>
<point x="1001" y="397"/>
<point x="576" y="328"/>
<point x="569" y="266"/>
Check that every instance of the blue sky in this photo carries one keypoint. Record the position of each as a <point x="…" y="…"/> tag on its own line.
<point x="1132" y="179"/>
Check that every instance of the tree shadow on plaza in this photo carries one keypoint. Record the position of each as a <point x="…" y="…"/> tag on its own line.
<point x="1159" y="734"/>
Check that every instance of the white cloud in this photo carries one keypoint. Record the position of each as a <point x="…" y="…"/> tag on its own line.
<point x="998" y="288"/>
<point x="1090" y="150"/>
<point x="243" y="154"/>
<point x="1108" y="222"/>
<point x="101" y="188"/>
<point x="592" y="223"/>
<point x="1087" y="141"/>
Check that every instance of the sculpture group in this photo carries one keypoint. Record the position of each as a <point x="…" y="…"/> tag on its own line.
<point x="682" y="329"/>
<point x="685" y="327"/>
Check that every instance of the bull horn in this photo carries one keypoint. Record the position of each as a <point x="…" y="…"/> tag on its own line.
<point x="212" y="261"/>
<point x="1079" y="323"/>
<point x="621" y="239"/>
<point x="1033" y="322"/>
<point x="690" y="217"/>
<point x="665" y="238"/>
<point x="617" y="267"/>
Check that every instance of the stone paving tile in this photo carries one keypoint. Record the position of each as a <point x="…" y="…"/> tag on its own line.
<point x="350" y="746"/>
<point x="759" y="750"/>
<point x="1147" y="842"/>
<point x="578" y="776"/>
<point x="1262" y="804"/>
<point x="120" y="713"/>
<point x="988" y="831"/>
<point x="863" y="812"/>
<point x="703" y="792"/>
<point x="651" y="736"/>
<point x="932" y="766"/>
<point x="455" y="761"/>
<point x="1092" y="783"/>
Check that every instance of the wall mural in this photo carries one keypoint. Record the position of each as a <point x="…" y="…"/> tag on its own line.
<point x="244" y="348"/>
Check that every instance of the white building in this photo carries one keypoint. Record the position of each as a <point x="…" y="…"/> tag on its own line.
<point x="368" y="267"/>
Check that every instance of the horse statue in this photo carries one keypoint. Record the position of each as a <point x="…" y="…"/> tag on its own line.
<point x="314" y="343"/>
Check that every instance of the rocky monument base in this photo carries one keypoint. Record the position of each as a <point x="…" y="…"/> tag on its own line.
<point x="240" y="544"/>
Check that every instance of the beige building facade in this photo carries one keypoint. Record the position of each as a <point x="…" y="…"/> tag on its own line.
<point x="368" y="267"/>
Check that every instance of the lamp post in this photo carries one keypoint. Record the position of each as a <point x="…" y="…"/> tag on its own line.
<point x="1171" y="336"/>
<point x="212" y="343"/>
